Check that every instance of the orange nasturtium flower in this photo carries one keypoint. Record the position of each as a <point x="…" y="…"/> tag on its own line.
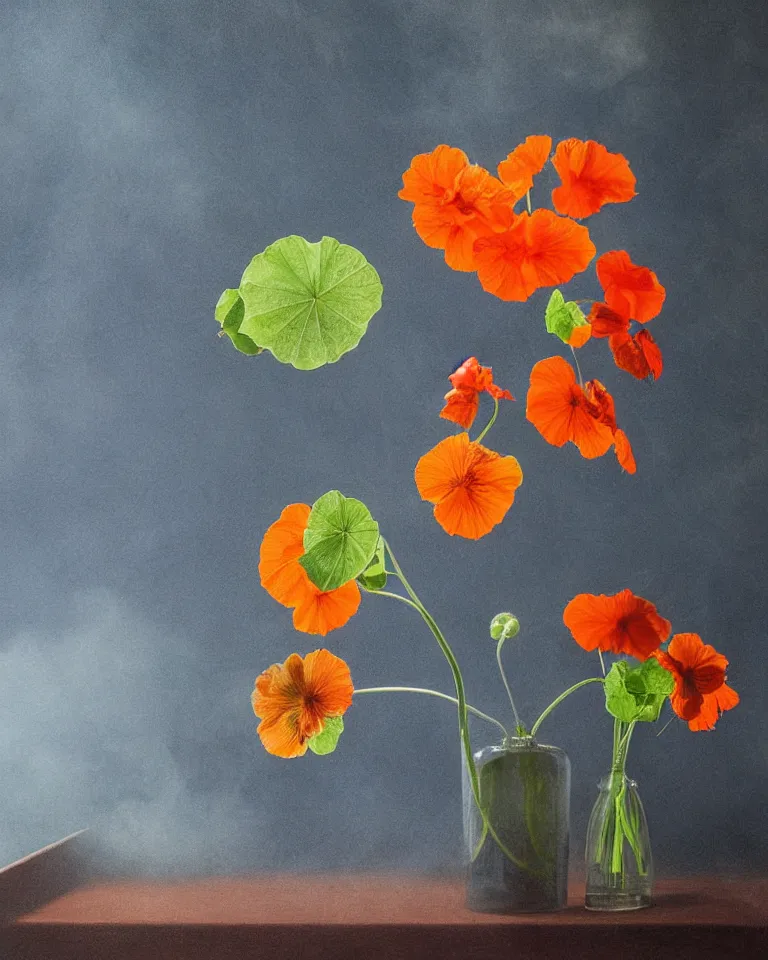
<point x="469" y="381"/>
<point x="628" y="289"/>
<point x="455" y="203"/>
<point x="701" y="693"/>
<point x="538" y="250"/>
<point x="591" y="177"/>
<point x="522" y="165"/>
<point x="285" y="580"/>
<point x="631" y="293"/>
<point x="561" y="411"/>
<point x="622" y="623"/>
<point x="295" y="698"/>
<point x="471" y="486"/>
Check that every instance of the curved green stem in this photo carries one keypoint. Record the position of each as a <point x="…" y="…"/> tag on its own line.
<point x="489" y="424"/>
<point x="559" y="700"/>
<point x="461" y="703"/>
<point x="518" y="726"/>
<point x="435" y="693"/>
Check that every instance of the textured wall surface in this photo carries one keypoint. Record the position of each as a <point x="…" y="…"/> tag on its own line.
<point x="148" y="151"/>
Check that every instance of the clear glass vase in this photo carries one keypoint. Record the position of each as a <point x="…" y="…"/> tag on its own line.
<point x="525" y="790"/>
<point x="618" y="854"/>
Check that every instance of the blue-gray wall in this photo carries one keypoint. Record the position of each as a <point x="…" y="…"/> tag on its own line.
<point x="147" y="151"/>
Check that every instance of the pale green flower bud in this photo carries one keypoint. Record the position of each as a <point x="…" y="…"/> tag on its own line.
<point x="504" y="626"/>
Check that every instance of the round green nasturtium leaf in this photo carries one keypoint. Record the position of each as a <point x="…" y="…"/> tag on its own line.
<point x="638" y="693"/>
<point x="562" y="318"/>
<point x="374" y="577"/>
<point x="339" y="542"/>
<point x="326" y="741"/>
<point x="229" y="313"/>
<point x="309" y="303"/>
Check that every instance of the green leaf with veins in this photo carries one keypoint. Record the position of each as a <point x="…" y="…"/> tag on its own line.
<point x="339" y="542"/>
<point x="374" y="576"/>
<point x="229" y="313"/>
<point x="638" y="693"/>
<point x="562" y="318"/>
<point x="309" y="303"/>
<point x="326" y="741"/>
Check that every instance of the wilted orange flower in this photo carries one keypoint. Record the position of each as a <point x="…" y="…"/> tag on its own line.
<point x="631" y="291"/>
<point x="538" y="250"/>
<point x="622" y="623"/>
<point x="294" y="699"/>
<point x="561" y="411"/>
<point x="701" y="693"/>
<point x="628" y="290"/>
<point x="591" y="177"/>
<point x="638" y="354"/>
<point x="471" y="486"/>
<point x="522" y="165"/>
<point x="469" y="381"/>
<point x="285" y="580"/>
<point x="600" y="405"/>
<point x="455" y="203"/>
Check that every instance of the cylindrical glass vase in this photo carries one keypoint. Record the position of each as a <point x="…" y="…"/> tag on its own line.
<point x="519" y="862"/>
<point x="618" y="854"/>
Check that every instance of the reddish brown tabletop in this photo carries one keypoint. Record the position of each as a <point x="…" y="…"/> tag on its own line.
<point x="376" y="917"/>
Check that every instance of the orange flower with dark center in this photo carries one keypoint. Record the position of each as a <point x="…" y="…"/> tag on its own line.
<point x="285" y="580"/>
<point x="522" y="165"/>
<point x="561" y="411"/>
<point x="590" y="177"/>
<point x="538" y="250"/>
<point x="294" y="699"/>
<point x="701" y="693"/>
<point x="631" y="291"/>
<point x="469" y="381"/>
<point x="455" y="203"/>
<point x="621" y="623"/>
<point x="471" y="486"/>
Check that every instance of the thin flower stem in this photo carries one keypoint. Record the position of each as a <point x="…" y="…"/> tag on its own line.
<point x="462" y="708"/>
<point x="499" y="645"/>
<point x="491" y="421"/>
<point x="393" y="596"/>
<point x="528" y="201"/>
<point x="578" y="368"/>
<point x="665" y="726"/>
<point x="602" y="662"/>
<point x="436" y="693"/>
<point x="559" y="700"/>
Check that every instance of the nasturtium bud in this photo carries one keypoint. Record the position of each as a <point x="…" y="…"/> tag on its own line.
<point x="504" y="626"/>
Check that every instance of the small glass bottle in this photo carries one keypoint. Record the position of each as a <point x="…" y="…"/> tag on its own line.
<point x="525" y="790"/>
<point x="618" y="852"/>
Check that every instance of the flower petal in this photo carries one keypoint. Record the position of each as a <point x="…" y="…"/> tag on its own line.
<point x="621" y="623"/>
<point x="282" y="576"/>
<point x="539" y="250"/>
<point x="319" y="612"/>
<point x="461" y="407"/>
<point x="629" y="290"/>
<point x="431" y="174"/>
<point x="591" y="177"/>
<point x="624" y="453"/>
<point x="523" y="163"/>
